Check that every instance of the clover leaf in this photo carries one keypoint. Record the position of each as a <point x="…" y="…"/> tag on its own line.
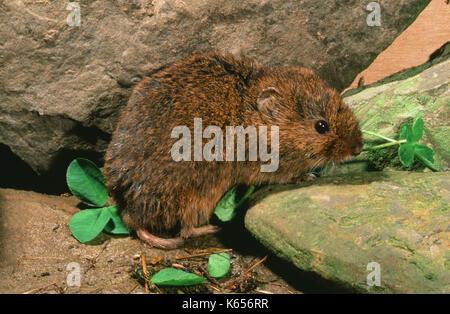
<point x="85" y="180"/>
<point x="409" y="148"/>
<point x="218" y="264"/>
<point x="417" y="129"/>
<point x="426" y="155"/>
<point x="115" y="225"/>
<point x="225" y="208"/>
<point x="176" y="277"/>
<point x="406" y="154"/>
<point x="407" y="151"/>
<point x="87" y="224"/>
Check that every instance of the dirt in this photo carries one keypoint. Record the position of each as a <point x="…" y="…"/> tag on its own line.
<point x="36" y="249"/>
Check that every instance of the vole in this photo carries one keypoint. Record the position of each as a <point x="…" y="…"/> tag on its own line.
<point x="155" y="193"/>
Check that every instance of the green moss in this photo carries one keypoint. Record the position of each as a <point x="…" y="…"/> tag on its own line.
<point x="380" y="158"/>
<point x="424" y="99"/>
<point x="439" y="137"/>
<point x="406" y="85"/>
<point x="424" y="268"/>
<point x="409" y="13"/>
<point x="388" y="158"/>
<point x="266" y="234"/>
<point x="334" y="268"/>
<point x="303" y="258"/>
<point x="394" y="242"/>
<point x="374" y="241"/>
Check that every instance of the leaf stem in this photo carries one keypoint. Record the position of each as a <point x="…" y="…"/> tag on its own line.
<point x="385" y="145"/>
<point x="378" y="135"/>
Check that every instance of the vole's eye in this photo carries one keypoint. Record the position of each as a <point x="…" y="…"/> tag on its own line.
<point x="321" y="126"/>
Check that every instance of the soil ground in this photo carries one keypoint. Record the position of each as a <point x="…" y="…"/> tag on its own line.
<point x="37" y="247"/>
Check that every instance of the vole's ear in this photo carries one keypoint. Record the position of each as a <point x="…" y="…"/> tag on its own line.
<point x="267" y="98"/>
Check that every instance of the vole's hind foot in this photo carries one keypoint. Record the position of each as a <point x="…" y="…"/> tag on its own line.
<point x="303" y="178"/>
<point x="158" y="242"/>
<point x="208" y="229"/>
<point x="199" y="231"/>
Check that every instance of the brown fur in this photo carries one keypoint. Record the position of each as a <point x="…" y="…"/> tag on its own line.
<point x="158" y="194"/>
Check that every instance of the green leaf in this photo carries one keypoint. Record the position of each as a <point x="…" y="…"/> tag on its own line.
<point x="417" y="129"/>
<point x="406" y="132"/>
<point x="426" y="156"/>
<point x="175" y="277"/>
<point x="424" y="152"/>
<point x="218" y="265"/>
<point x="225" y="208"/>
<point x="87" y="224"/>
<point x="115" y="225"/>
<point x="406" y="154"/>
<point x="249" y="191"/>
<point x="86" y="182"/>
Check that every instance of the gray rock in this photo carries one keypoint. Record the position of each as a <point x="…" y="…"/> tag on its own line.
<point x="61" y="87"/>
<point x="336" y="226"/>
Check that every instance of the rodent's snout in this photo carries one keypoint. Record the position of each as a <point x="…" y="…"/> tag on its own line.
<point x="356" y="150"/>
<point x="355" y="143"/>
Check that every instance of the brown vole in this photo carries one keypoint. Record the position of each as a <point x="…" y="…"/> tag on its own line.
<point x="155" y="193"/>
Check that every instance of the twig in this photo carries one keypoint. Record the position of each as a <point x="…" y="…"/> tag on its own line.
<point x="215" y="288"/>
<point x="137" y="285"/>
<point x="93" y="261"/>
<point x="157" y="288"/>
<point x="280" y="285"/>
<point x="244" y="275"/>
<point x="144" y="269"/>
<point x="203" y="254"/>
<point x="155" y="260"/>
<point x="175" y="265"/>
<point x="37" y="289"/>
<point x="213" y="280"/>
<point x="263" y="291"/>
<point x="257" y="263"/>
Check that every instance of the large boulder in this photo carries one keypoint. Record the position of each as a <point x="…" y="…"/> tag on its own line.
<point x="61" y="87"/>
<point x="339" y="227"/>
